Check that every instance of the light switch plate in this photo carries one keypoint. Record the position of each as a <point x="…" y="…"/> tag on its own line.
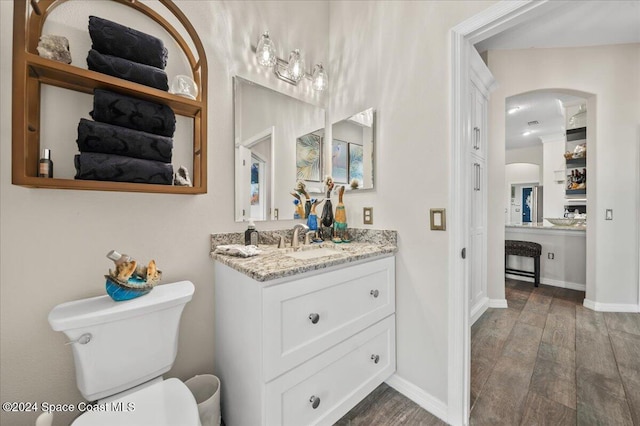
<point x="367" y="214"/>
<point x="608" y="214"/>
<point x="438" y="219"/>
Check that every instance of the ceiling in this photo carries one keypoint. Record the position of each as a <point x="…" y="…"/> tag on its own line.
<point x="571" y="24"/>
<point x="547" y="108"/>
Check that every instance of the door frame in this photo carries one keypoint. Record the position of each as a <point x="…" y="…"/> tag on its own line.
<point x="487" y="23"/>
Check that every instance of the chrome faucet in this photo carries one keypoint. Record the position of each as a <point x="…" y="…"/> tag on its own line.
<point x="295" y="243"/>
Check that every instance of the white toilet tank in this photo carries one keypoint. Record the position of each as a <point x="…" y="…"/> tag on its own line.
<point x="125" y="343"/>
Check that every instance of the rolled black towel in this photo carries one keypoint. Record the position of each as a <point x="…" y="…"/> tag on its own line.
<point x="133" y="113"/>
<point x="116" y="168"/>
<point x="109" y="139"/>
<point x="114" y="39"/>
<point x="128" y="70"/>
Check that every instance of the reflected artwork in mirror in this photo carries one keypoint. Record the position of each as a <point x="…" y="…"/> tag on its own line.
<point x="353" y="150"/>
<point x="278" y="140"/>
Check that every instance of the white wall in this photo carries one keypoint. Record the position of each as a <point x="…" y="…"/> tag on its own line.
<point x="530" y="154"/>
<point x="610" y="73"/>
<point x="395" y="56"/>
<point x="554" y="190"/>
<point x="54" y="241"/>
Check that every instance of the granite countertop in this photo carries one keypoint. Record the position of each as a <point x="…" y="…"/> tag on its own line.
<point x="274" y="263"/>
<point x="577" y="227"/>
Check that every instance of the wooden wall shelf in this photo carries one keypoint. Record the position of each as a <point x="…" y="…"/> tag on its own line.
<point x="30" y="71"/>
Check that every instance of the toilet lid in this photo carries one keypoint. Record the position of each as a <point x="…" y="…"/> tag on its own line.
<point x="166" y="403"/>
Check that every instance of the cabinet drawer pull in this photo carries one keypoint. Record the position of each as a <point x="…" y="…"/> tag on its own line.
<point x="375" y="358"/>
<point x="315" y="402"/>
<point x="314" y="318"/>
<point x="374" y="293"/>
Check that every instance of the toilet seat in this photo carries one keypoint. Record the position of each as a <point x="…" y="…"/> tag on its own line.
<point x="166" y="403"/>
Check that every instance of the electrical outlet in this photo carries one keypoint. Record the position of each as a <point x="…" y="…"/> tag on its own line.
<point x="608" y="214"/>
<point x="551" y="256"/>
<point x="275" y="214"/>
<point x="367" y="213"/>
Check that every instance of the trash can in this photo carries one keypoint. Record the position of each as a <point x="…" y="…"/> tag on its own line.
<point x="206" y="389"/>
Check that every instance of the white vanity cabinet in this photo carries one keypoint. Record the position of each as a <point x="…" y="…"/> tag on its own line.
<point x="303" y="350"/>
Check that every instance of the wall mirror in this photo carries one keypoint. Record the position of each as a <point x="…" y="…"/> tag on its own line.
<point x="274" y="139"/>
<point x="353" y="150"/>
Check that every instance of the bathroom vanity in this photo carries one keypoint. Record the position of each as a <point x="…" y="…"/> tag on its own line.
<point x="302" y="337"/>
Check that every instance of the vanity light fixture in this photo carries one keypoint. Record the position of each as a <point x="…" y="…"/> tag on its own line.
<point x="527" y="133"/>
<point x="291" y="71"/>
<point x="513" y="110"/>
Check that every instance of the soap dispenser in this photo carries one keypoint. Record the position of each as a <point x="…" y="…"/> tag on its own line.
<point x="251" y="235"/>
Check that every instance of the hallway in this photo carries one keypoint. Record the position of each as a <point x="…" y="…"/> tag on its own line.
<point x="548" y="360"/>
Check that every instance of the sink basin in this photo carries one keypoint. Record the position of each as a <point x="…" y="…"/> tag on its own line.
<point x="313" y="253"/>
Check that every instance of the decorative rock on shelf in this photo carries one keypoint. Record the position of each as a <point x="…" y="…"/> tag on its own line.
<point x="54" y="47"/>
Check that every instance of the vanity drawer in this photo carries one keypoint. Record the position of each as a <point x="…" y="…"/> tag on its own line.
<point x="334" y="381"/>
<point x="305" y="317"/>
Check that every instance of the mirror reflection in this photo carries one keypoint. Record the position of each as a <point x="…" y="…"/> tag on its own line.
<point x="352" y="150"/>
<point x="277" y="139"/>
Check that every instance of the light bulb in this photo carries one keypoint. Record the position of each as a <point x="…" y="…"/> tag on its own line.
<point x="266" y="51"/>
<point x="319" y="78"/>
<point x="295" y="69"/>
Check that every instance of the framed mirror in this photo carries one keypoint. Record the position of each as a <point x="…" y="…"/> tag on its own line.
<point x="353" y="150"/>
<point x="275" y="139"/>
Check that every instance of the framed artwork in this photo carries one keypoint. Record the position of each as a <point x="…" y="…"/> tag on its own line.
<point x="255" y="184"/>
<point x="356" y="166"/>
<point x="308" y="157"/>
<point x="340" y="161"/>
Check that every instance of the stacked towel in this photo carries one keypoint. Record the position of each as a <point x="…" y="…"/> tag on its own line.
<point x="126" y="53"/>
<point x="110" y="139"/>
<point x="117" y="40"/>
<point x="115" y="147"/>
<point x="116" y="168"/>
<point x="130" y="139"/>
<point x="133" y="113"/>
<point x="128" y="70"/>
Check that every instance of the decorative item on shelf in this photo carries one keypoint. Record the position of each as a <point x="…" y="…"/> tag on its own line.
<point x="181" y="177"/>
<point x="291" y="71"/>
<point x="579" y="119"/>
<point x="184" y="85"/>
<point x="45" y="165"/>
<point x="301" y="189"/>
<point x="130" y="280"/>
<point x="312" y="219"/>
<point x="562" y="221"/>
<point x="340" y="224"/>
<point x="326" y="218"/>
<point x="580" y="151"/>
<point x="299" y="208"/>
<point x="54" y="47"/>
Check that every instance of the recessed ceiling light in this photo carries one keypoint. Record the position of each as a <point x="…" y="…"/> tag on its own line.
<point x="512" y="110"/>
<point x="526" y="133"/>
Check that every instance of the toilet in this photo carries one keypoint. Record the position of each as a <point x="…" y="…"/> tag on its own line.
<point x="121" y="350"/>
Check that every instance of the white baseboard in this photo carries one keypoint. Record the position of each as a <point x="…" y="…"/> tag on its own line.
<point x="610" y="307"/>
<point x="427" y="401"/>
<point x="552" y="282"/>
<point x="498" y="303"/>
<point x="478" y="310"/>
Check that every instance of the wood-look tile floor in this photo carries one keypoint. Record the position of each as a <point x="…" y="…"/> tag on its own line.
<point x="545" y="360"/>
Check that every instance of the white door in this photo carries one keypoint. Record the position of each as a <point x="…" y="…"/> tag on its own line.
<point x="243" y="179"/>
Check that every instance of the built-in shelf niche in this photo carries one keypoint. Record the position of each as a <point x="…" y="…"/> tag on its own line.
<point x="30" y="72"/>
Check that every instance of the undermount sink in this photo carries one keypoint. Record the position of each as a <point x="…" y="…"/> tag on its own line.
<point x="313" y="253"/>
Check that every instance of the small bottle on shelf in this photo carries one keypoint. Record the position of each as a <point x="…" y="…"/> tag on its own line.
<point x="45" y="165"/>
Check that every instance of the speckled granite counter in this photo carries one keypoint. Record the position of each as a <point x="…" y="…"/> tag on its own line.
<point x="273" y="263"/>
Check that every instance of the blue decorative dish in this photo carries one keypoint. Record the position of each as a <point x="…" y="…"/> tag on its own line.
<point x="134" y="287"/>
